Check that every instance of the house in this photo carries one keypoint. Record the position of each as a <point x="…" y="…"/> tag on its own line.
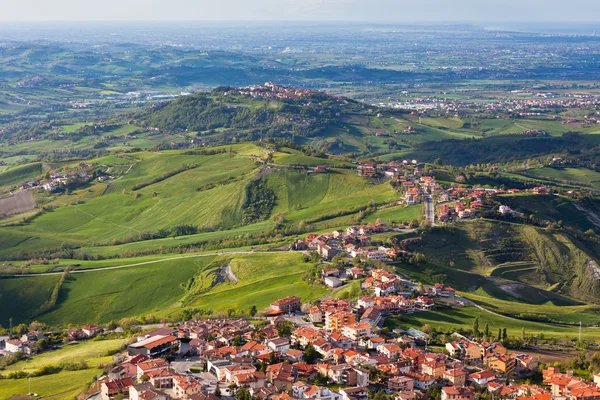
<point x="280" y="345"/>
<point x="281" y="375"/>
<point x="357" y="330"/>
<point x="110" y="389"/>
<point x="372" y="316"/>
<point x="146" y="391"/>
<point x="422" y="382"/>
<point x="326" y="251"/>
<point x="160" y="378"/>
<point x="14" y="346"/>
<point x="457" y="392"/>
<point x="153" y="346"/>
<point x="442" y="290"/>
<point x="390" y="350"/>
<point x="150" y="365"/>
<point x="332" y="281"/>
<point x="288" y="304"/>
<point x="32" y="336"/>
<point x="464" y="350"/>
<point x="252" y="380"/>
<point x="504" y="363"/>
<point x="355" y="393"/>
<point x="433" y="368"/>
<point x="91" y="330"/>
<point x="482" y="378"/>
<point x="401" y="384"/>
<point x="186" y="386"/>
<point x="456" y="376"/>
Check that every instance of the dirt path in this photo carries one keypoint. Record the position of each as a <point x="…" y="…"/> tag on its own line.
<point x="229" y="273"/>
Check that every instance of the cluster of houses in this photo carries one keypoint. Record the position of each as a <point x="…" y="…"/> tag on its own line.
<point x="463" y="203"/>
<point x="271" y="90"/>
<point x="336" y="357"/>
<point x="390" y="170"/>
<point x="56" y="179"/>
<point x="355" y="241"/>
<point x="27" y="344"/>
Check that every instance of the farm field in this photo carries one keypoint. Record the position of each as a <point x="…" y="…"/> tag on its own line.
<point x="574" y="176"/>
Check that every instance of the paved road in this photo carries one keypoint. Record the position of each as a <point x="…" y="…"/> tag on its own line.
<point x="429" y="210"/>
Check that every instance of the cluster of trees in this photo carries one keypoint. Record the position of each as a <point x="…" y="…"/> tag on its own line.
<point x="259" y="202"/>
<point x="500" y="149"/>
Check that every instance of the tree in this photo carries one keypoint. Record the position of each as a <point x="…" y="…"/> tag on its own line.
<point x="426" y="328"/>
<point x="243" y="394"/>
<point x="504" y="336"/>
<point x="590" y="233"/>
<point x="253" y="311"/>
<point x="420" y="288"/>
<point x="476" y="326"/>
<point x="487" y="330"/>
<point x="310" y="354"/>
<point x="499" y="334"/>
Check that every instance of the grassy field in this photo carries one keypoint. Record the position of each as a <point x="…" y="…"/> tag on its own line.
<point x="581" y="176"/>
<point x="102" y="296"/>
<point x="64" y="385"/>
<point x="396" y="214"/>
<point x="161" y="288"/>
<point x="263" y="278"/>
<point x="462" y="318"/>
<point x="587" y="314"/>
<point x="93" y="352"/>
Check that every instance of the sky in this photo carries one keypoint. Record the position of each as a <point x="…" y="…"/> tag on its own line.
<point x="303" y="10"/>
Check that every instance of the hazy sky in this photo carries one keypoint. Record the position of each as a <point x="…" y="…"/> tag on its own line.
<point x="314" y="10"/>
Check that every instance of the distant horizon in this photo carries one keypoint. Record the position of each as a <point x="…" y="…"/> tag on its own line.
<point x="13" y="28"/>
<point x="365" y="11"/>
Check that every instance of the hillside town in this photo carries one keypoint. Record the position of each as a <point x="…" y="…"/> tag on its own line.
<point x="335" y="355"/>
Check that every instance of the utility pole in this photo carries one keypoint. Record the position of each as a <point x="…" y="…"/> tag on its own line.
<point x="30" y="385"/>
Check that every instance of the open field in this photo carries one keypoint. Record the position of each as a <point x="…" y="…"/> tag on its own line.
<point x="93" y="352"/>
<point x="263" y="278"/>
<point x="111" y="294"/>
<point x="20" y="201"/>
<point x="462" y="318"/>
<point x="574" y="176"/>
<point x="62" y="386"/>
